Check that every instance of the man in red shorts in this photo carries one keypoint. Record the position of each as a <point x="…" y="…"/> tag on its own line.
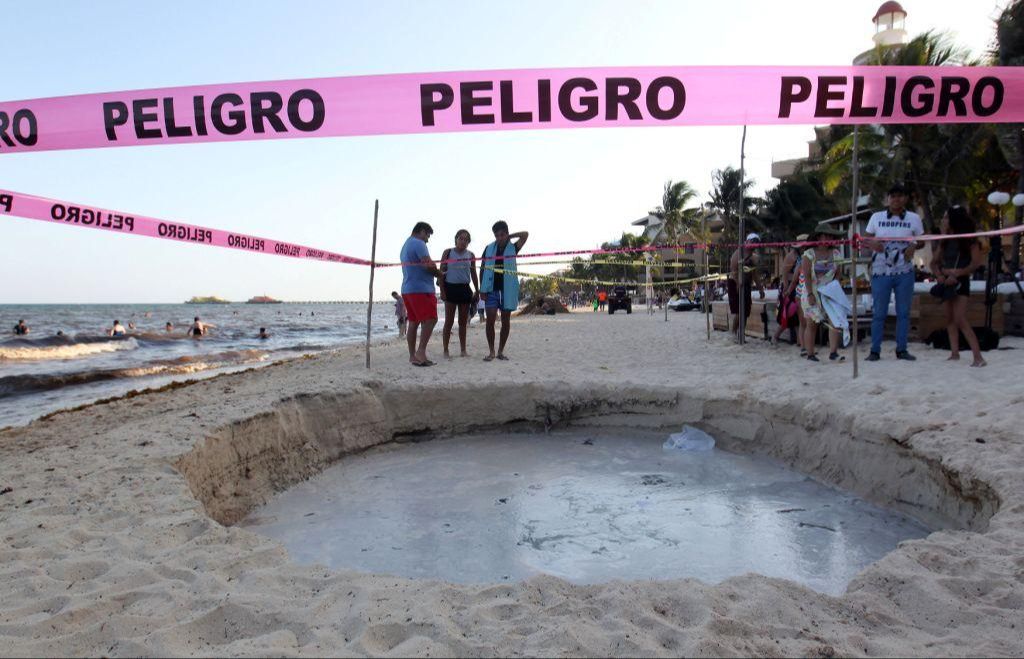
<point x="418" y="292"/>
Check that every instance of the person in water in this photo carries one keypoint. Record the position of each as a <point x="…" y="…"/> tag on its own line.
<point x="263" y="333"/>
<point x="499" y="283"/>
<point x="198" y="329"/>
<point x="169" y="327"/>
<point x="21" y="329"/>
<point x="117" y="330"/>
<point x="455" y="291"/>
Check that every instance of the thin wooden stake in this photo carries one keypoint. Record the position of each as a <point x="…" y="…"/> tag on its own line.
<point x="707" y="268"/>
<point x="854" y="248"/>
<point x="740" y="284"/>
<point x="373" y="269"/>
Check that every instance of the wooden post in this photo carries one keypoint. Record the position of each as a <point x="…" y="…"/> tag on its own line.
<point x="740" y="283"/>
<point x="373" y="268"/>
<point x="854" y="248"/>
<point x="707" y="269"/>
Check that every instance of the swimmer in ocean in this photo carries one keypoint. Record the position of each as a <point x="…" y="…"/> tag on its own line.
<point x="169" y="327"/>
<point x="198" y="329"/>
<point x="117" y="330"/>
<point x="21" y="329"/>
<point x="263" y="333"/>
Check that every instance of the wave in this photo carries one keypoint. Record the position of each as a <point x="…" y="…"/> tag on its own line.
<point x="16" y="385"/>
<point x="51" y="349"/>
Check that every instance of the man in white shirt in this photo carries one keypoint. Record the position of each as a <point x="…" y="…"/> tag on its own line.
<point x="892" y="269"/>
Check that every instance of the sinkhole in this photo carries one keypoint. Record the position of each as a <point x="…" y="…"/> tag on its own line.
<point x="589" y="505"/>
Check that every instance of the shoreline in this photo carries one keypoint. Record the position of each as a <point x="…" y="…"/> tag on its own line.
<point x="117" y="551"/>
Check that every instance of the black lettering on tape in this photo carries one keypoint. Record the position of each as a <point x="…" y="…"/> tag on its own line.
<point x="237" y="117"/>
<point x="469" y="102"/>
<point x="433" y="98"/>
<point x="141" y="118"/>
<point x="115" y="113"/>
<point x="508" y="111"/>
<point x="58" y="212"/>
<point x="627" y="100"/>
<point x="26" y="130"/>
<point x="927" y="99"/>
<point x="826" y="94"/>
<point x="173" y="130"/>
<point x="544" y="101"/>
<point x="589" y="104"/>
<point x="795" y="89"/>
<point x="266" y="105"/>
<point x="857" y="107"/>
<point x="6" y="202"/>
<point x="978" y="100"/>
<point x="199" y="110"/>
<point x="316" y="121"/>
<point x="130" y="222"/>
<point x="5" y="123"/>
<point x="654" y="96"/>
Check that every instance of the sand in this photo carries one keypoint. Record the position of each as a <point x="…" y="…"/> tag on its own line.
<point x="118" y="539"/>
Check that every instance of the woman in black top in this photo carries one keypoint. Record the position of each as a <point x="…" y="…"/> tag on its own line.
<point x="953" y="263"/>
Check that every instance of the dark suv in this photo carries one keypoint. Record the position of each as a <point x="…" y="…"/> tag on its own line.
<point x="620" y="299"/>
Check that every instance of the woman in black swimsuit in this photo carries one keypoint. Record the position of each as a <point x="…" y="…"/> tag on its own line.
<point x="953" y="263"/>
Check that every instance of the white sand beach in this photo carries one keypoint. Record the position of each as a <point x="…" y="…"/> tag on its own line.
<point x="117" y="519"/>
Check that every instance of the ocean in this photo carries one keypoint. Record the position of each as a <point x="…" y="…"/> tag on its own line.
<point x="44" y="372"/>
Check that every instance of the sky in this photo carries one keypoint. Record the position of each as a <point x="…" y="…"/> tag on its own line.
<point x="572" y="189"/>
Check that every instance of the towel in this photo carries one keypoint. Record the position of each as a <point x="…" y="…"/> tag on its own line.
<point x="837" y="307"/>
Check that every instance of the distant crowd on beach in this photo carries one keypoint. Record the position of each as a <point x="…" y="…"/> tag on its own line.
<point x="492" y="290"/>
<point x="811" y="294"/>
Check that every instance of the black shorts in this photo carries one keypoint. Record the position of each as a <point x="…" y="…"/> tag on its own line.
<point x="458" y="293"/>
<point x="963" y="286"/>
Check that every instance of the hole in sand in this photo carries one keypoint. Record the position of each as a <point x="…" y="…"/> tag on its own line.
<point x="588" y="505"/>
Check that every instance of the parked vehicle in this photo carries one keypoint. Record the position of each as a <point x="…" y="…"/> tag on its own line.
<point x="620" y="299"/>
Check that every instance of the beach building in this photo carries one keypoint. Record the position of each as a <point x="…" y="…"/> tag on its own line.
<point x="688" y="261"/>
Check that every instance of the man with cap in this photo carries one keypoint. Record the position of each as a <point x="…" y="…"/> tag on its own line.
<point x="892" y="269"/>
<point x="742" y="267"/>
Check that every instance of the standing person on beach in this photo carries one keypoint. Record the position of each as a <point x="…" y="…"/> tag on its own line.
<point x="789" y="297"/>
<point x="498" y="288"/>
<point x="21" y="329"/>
<point x="400" y="314"/>
<point x="892" y="269"/>
<point x="418" y="293"/>
<point x="953" y="263"/>
<point x="455" y="291"/>
<point x="819" y="267"/>
<point x="744" y="259"/>
<point x="602" y="299"/>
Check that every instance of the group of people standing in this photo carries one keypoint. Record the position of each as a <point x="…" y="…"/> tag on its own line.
<point x="462" y="287"/>
<point x="811" y="294"/>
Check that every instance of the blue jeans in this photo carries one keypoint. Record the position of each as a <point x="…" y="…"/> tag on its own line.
<point x="882" y="287"/>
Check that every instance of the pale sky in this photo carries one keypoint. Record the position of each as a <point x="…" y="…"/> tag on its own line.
<point x="571" y="189"/>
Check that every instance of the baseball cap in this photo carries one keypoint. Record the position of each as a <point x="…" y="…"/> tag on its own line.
<point x="753" y="237"/>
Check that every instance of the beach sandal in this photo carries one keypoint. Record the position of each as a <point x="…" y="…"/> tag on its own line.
<point x="503" y="358"/>
<point x="981" y="364"/>
<point x="813" y="358"/>
<point x="488" y="358"/>
<point x="421" y="364"/>
<point x="836" y="357"/>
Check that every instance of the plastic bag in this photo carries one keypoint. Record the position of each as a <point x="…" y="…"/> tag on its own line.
<point x="691" y="439"/>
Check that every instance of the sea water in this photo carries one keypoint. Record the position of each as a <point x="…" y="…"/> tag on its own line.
<point x="43" y="372"/>
<point x="589" y="508"/>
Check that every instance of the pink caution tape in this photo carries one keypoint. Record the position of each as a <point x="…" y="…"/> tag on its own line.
<point x="69" y="214"/>
<point x="516" y="100"/>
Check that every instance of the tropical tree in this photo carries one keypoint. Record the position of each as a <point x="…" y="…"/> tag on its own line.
<point x="936" y="161"/>
<point x="1009" y="51"/>
<point x="726" y="191"/>
<point x="796" y="206"/>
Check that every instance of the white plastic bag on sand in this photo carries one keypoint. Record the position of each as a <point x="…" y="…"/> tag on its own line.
<point x="691" y="439"/>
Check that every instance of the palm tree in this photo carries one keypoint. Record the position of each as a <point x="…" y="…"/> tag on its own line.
<point x="725" y="198"/>
<point x="924" y="156"/>
<point x="796" y="206"/>
<point x="1009" y="51"/>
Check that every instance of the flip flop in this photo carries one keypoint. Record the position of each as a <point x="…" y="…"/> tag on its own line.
<point x="488" y="358"/>
<point x="503" y="358"/>
<point x="420" y="364"/>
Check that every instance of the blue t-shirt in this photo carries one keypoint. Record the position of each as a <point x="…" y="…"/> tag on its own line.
<point x="415" y="278"/>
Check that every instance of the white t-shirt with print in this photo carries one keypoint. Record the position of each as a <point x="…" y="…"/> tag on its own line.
<point x="892" y="259"/>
